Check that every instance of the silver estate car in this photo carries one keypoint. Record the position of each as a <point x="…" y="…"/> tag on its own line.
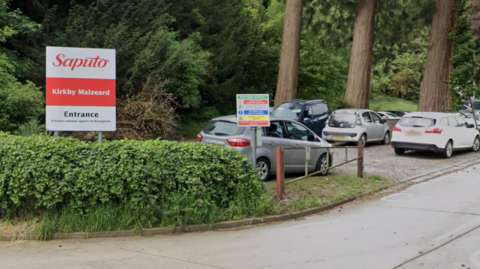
<point x="283" y="133"/>
<point x="352" y="125"/>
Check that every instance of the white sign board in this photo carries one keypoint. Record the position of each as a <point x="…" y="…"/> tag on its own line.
<point x="80" y="89"/>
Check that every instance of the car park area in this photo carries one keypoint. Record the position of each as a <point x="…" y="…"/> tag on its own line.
<point x="381" y="160"/>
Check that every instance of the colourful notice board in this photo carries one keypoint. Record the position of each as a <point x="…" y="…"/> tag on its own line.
<point x="253" y="110"/>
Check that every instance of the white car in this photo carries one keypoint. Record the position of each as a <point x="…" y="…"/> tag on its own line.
<point x="434" y="131"/>
<point x="352" y="125"/>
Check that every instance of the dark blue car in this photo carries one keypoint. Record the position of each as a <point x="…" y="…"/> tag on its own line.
<point x="312" y="113"/>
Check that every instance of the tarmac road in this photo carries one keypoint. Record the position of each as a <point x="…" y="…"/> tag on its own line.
<point x="435" y="224"/>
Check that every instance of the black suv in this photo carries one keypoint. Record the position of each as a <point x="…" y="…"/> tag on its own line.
<point x="312" y="113"/>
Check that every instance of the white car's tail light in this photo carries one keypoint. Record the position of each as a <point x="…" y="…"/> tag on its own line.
<point x="434" y="131"/>
<point x="199" y="137"/>
<point x="238" y="142"/>
<point x="396" y="129"/>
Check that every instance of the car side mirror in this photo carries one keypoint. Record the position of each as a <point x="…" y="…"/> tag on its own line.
<point x="306" y="120"/>
<point x="471" y="125"/>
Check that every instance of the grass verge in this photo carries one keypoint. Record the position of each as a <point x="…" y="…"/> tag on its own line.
<point x="384" y="103"/>
<point x="301" y="195"/>
<point x="321" y="191"/>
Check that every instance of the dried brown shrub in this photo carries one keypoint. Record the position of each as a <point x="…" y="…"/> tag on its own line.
<point x="146" y="114"/>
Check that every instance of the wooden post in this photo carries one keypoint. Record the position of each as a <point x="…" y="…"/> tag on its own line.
<point x="360" y="159"/>
<point x="279" y="162"/>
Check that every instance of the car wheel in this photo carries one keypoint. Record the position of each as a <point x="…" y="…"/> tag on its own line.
<point x="263" y="168"/>
<point x="476" y="144"/>
<point x="322" y="164"/>
<point x="363" y="138"/>
<point x="386" y="138"/>
<point x="447" y="153"/>
<point x="399" y="151"/>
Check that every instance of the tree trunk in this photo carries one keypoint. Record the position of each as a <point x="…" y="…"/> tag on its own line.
<point x="287" y="82"/>
<point x="357" y="93"/>
<point x="435" y="94"/>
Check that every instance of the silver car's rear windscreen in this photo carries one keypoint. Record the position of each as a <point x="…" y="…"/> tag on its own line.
<point x="225" y="128"/>
<point x="343" y="120"/>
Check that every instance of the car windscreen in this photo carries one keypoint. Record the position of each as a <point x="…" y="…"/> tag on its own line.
<point x="343" y="120"/>
<point x="226" y="128"/>
<point x="391" y="115"/>
<point x="417" y="122"/>
<point x="287" y="111"/>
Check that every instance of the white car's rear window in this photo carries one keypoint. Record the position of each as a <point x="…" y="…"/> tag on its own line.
<point x="417" y="122"/>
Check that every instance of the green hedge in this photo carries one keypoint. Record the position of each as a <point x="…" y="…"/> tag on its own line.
<point x="42" y="173"/>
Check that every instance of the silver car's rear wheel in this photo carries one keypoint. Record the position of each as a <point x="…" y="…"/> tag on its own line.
<point x="263" y="168"/>
<point x="322" y="164"/>
<point x="363" y="138"/>
<point x="386" y="138"/>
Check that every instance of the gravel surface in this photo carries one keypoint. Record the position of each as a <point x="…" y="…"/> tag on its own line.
<point x="381" y="160"/>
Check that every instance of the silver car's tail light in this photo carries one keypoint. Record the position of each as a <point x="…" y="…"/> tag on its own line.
<point x="359" y="121"/>
<point x="199" y="137"/>
<point x="396" y="129"/>
<point x="238" y="142"/>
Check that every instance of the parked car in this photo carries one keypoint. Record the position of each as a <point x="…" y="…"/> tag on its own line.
<point x="468" y="117"/>
<point x="476" y="105"/>
<point x="399" y="112"/>
<point x="388" y="115"/>
<point x="283" y="133"/>
<point x="352" y="125"/>
<point x="311" y="113"/>
<point x="434" y="131"/>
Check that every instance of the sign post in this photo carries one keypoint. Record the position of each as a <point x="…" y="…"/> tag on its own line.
<point x="253" y="111"/>
<point x="80" y="90"/>
<point x="471" y="101"/>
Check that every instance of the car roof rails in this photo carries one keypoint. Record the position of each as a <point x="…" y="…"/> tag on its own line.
<point x="315" y="101"/>
<point x="292" y="100"/>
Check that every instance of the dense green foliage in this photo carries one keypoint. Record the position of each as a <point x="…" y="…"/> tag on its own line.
<point x="465" y="66"/>
<point x="19" y="102"/>
<point x="42" y="172"/>
<point x="206" y="51"/>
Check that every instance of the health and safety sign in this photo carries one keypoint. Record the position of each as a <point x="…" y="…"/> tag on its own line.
<point x="253" y="109"/>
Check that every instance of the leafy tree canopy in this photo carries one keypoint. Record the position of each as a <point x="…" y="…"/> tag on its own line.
<point x="19" y="102"/>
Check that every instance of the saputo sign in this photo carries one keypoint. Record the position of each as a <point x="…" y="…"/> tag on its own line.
<point x="80" y="89"/>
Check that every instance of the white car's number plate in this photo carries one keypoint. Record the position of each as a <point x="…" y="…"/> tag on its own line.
<point x="336" y="137"/>
<point x="413" y="133"/>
